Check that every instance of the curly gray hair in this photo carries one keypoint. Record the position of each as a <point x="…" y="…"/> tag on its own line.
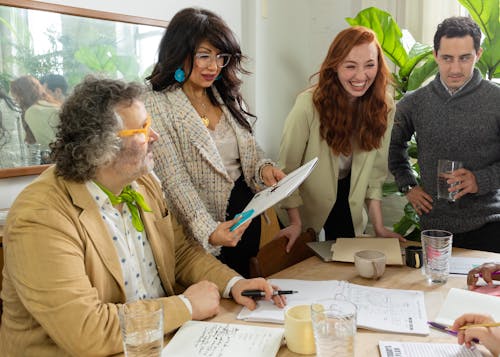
<point x="86" y="137"/>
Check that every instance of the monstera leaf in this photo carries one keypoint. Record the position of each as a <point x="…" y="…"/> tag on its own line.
<point x="486" y="13"/>
<point x="414" y="67"/>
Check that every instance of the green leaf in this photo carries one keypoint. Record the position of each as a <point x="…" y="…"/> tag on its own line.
<point x="389" y="188"/>
<point x="419" y="75"/>
<point x="486" y="13"/>
<point x="417" y="53"/>
<point x="387" y="31"/>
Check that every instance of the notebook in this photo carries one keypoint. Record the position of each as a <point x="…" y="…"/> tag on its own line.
<point x="461" y="301"/>
<point x="344" y="249"/>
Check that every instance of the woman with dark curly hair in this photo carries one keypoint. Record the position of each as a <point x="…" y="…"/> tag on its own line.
<point x="207" y="158"/>
<point x="345" y="120"/>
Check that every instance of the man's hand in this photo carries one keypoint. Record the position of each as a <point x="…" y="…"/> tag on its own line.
<point x="486" y="270"/>
<point x="223" y="236"/>
<point x="420" y="200"/>
<point x="204" y="298"/>
<point x="466" y="183"/>
<point x="271" y="175"/>
<point x="256" y="284"/>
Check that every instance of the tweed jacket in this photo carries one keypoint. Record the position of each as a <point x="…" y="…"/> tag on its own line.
<point x="315" y="198"/>
<point x="196" y="184"/>
<point x="62" y="277"/>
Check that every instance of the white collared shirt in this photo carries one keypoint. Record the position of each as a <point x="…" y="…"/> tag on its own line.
<point x="452" y="92"/>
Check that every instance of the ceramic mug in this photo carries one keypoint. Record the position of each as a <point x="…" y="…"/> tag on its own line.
<point x="298" y="330"/>
<point x="414" y="256"/>
<point x="370" y="263"/>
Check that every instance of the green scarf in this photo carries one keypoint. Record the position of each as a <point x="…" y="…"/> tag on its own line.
<point x="133" y="199"/>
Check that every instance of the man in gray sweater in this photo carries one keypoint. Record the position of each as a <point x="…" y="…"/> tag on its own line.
<point x="455" y="117"/>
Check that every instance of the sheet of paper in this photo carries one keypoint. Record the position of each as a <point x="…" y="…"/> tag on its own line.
<point x="461" y="301"/>
<point x="284" y="188"/>
<point x="461" y="265"/>
<point x="212" y="339"/>
<point x="344" y="249"/>
<point x="424" y="349"/>
<point x="379" y="309"/>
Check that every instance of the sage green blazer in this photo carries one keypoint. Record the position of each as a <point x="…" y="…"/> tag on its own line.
<point x="63" y="281"/>
<point x="301" y="141"/>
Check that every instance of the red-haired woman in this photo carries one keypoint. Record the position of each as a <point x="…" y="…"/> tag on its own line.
<point x="345" y="120"/>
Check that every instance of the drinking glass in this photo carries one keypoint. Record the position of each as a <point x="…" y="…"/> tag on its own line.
<point x="444" y="170"/>
<point x="142" y="329"/>
<point x="334" y="327"/>
<point x="437" y="246"/>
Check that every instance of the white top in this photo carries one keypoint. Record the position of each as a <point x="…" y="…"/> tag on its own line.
<point x="345" y="164"/>
<point x="225" y="140"/>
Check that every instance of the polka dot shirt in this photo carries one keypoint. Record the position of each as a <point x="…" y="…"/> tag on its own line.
<point x="140" y="274"/>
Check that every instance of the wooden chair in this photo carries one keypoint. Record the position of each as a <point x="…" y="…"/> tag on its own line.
<point x="273" y="258"/>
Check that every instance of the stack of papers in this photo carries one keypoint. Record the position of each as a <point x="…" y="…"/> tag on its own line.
<point x="391" y="310"/>
<point x="208" y="339"/>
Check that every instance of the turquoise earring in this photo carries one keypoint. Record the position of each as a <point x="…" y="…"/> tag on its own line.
<point x="218" y="77"/>
<point x="179" y="75"/>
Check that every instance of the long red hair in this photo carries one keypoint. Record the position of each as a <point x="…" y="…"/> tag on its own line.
<point x="365" y="119"/>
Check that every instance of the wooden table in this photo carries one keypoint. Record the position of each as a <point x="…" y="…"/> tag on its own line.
<point x="396" y="277"/>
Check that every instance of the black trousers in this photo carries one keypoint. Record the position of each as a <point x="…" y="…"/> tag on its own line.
<point x="485" y="238"/>
<point x="339" y="221"/>
<point x="238" y="257"/>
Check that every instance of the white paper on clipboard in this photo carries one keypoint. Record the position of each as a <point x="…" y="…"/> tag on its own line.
<point x="284" y="188"/>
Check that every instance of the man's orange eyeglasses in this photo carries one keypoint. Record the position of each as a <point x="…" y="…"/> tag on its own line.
<point x="144" y="130"/>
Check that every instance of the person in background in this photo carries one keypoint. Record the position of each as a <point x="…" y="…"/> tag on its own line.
<point x="40" y="112"/>
<point x="93" y="232"/>
<point x="487" y="336"/>
<point x="11" y="132"/>
<point x="345" y="120"/>
<point x="207" y="157"/>
<point x="56" y="85"/>
<point x="454" y="117"/>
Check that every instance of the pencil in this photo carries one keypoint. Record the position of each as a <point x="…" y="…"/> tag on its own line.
<point x="492" y="324"/>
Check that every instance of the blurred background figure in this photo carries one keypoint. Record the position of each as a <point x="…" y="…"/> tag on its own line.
<point x="40" y="111"/>
<point x="56" y="85"/>
<point x="11" y="132"/>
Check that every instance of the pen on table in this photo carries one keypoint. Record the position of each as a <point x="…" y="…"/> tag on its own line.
<point x="446" y="329"/>
<point x="260" y="293"/>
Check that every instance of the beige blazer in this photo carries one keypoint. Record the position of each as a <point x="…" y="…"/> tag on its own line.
<point x="196" y="184"/>
<point x="301" y="141"/>
<point x="62" y="277"/>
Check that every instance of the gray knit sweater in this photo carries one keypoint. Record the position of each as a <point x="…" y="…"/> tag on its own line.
<point x="464" y="127"/>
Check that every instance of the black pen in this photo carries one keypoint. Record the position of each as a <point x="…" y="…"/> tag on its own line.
<point x="260" y="293"/>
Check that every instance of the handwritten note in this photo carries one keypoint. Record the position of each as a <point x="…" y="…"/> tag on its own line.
<point x="378" y="309"/>
<point x="212" y="339"/>
<point x="424" y="349"/>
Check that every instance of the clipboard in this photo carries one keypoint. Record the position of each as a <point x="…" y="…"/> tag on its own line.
<point x="271" y="195"/>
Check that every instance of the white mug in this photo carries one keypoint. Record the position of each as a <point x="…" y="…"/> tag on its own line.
<point x="370" y="263"/>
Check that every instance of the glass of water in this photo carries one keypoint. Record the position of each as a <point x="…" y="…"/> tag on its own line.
<point x="142" y="329"/>
<point x="436" y="246"/>
<point x="444" y="171"/>
<point x="334" y="327"/>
